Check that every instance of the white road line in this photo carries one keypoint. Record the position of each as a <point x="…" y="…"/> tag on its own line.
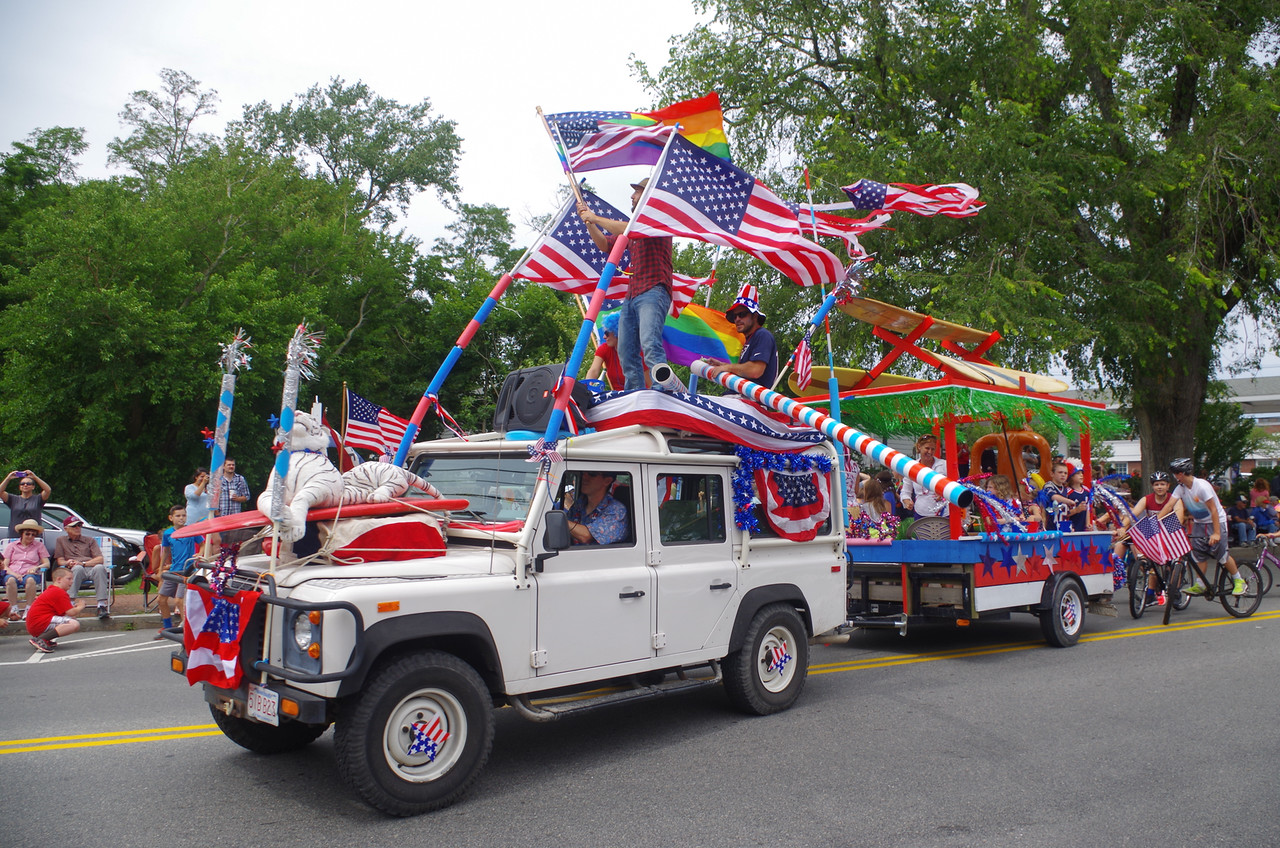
<point x="39" y="656"/>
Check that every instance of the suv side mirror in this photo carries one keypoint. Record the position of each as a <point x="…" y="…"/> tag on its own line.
<point x="555" y="537"/>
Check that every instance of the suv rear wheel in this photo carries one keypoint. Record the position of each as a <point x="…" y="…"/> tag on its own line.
<point x="767" y="674"/>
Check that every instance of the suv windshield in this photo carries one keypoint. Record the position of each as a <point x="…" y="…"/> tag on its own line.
<point x="499" y="487"/>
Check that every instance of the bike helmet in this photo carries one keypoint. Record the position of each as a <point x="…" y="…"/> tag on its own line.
<point x="1181" y="466"/>
<point x="1158" y="476"/>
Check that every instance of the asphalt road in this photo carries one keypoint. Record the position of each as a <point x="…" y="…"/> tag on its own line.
<point x="1141" y="735"/>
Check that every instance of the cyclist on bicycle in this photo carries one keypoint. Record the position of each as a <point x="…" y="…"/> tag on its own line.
<point x="1161" y="482"/>
<point x="1208" y="519"/>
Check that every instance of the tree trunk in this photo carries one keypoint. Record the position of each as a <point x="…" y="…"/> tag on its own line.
<point x="1167" y="405"/>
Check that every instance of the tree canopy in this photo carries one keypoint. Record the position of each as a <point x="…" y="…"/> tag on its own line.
<point x="1128" y="154"/>
<point x="116" y="294"/>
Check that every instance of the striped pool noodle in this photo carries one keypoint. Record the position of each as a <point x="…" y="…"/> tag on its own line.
<point x="225" y="401"/>
<point x="937" y="483"/>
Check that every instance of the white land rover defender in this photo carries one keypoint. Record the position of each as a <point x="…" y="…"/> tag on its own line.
<point x="408" y="658"/>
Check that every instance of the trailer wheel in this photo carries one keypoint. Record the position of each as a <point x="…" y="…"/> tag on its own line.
<point x="266" y="738"/>
<point x="1063" y="621"/>
<point x="767" y="674"/>
<point x="417" y="735"/>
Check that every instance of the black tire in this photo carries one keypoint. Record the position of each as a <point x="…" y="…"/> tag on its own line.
<point x="1137" y="588"/>
<point x="1182" y="579"/>
<point x="1264" y="572"/>
<point x="266" y="738"/>
<point x="374" y="737"/>
<point x="1241" y="606"/>
<point x="1063" y="621"/>
<point x="754" y="682"/>
<point x="123" y="575"/>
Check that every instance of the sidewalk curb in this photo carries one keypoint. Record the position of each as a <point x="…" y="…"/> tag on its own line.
<point x="90" y="623"/>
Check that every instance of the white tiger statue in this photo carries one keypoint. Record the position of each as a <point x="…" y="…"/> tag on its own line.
<point x="311" y="482"/>
<point x="379" y="482"/>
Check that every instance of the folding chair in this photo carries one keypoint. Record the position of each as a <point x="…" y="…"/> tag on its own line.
<point x="149" y="559"/>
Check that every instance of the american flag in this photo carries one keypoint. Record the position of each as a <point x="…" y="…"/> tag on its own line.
<point x="211" y="638"/>
<point x="371" y="426"/>
<point x="804" y="364"/>
<point x="701" y="196"/>
<point x="795" y="502"/>
<point x="955" y="200"/>
<point x="1159" y="540"/>
<point x="595" y="140"/>
<point x="779" y="659"/>
<point x="845" y="229"/>
<point x="568" y="260"/>
<point x="428" y="738"/>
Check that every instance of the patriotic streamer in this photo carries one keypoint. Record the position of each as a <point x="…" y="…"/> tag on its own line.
<point x="937" y="483"/>
<point x="234" y="357"/>
<point x="299" y="360"/>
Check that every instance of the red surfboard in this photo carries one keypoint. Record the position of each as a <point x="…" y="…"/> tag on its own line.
<point x="256" y="518"/>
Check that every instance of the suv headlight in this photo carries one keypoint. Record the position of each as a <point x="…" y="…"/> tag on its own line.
<point x="302" y="630"/>
<point x="302" y="640"/>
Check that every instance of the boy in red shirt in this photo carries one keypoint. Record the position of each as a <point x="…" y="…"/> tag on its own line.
<point x="48" y="616"/>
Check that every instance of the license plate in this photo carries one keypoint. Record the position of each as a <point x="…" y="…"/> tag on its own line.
<point x="264" y="704"/>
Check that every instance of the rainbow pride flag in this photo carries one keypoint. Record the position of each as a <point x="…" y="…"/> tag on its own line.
<point x="700" y="332"/>
<point x="700" y="120"/>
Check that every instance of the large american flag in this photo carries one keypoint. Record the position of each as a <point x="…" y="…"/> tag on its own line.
<point x="698" y="195"/>
<point x="594" y="140"/>
<point x="1159" y="540"/>
<point x="955" y="200"/>
<point x="211" y="638"/>
<point x="371" y="426"/>
<point x="568" y="260"/>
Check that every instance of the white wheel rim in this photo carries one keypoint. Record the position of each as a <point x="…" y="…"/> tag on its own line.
<point x="1069" y="612"/>
<point x="777" y="659"/>
<point x="425" y="734"/>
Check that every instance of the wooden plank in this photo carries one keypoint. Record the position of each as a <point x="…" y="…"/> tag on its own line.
<point x="903" y="321"/>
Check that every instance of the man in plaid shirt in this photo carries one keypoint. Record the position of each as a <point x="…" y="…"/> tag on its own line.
<point x="232" y="490"/>
<point x="648" y="299"/>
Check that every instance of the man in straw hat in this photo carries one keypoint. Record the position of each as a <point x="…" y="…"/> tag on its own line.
<point x="759" y="359"/>
<point x="648" y="300"/>
<point x="24" y="559"/>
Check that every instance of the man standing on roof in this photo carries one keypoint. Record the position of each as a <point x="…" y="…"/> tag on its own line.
<point x="648" y="300"/>
<point x="758" y="361"/>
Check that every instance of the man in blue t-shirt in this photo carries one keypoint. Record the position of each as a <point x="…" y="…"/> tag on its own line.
<point x="759" y="359"/>
<point x="176" y="556"/>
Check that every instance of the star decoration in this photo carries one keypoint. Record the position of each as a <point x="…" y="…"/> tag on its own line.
<point x="273" y="420"/>
<point x="1021" y="559"/>
<point x="988" y="565"/>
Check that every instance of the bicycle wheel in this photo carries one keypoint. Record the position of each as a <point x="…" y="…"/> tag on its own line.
<point x="1180" y="599"/>
<point x="1173" y="590"/>
<point x="1264" y="571"/>
<point x="1241" y="606"/>
<point x="1137" y="588"/>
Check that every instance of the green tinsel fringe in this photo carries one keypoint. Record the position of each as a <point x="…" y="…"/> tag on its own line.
<point x="913" y="413"/>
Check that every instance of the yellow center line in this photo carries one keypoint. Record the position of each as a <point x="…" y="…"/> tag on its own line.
<point x="964" y="653"/>
<point x="120" y="737"/>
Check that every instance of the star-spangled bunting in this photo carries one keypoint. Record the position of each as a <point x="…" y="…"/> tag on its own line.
<point x="428" y="738"/>
<point x="215" y="625"/>
<point x="700" y="196"/>
<point x="954" y="200"/>
<point x="795" y="502"/>
<point x="733" y="419"/>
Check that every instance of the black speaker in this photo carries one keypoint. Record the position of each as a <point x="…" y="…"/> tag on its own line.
<point x="528" y="397"/>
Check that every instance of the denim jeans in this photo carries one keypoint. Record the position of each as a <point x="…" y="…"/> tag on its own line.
<point x="640" y="332"/>
<point x="1244" y="532"/>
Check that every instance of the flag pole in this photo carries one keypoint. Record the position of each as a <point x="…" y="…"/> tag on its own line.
<point x="558" y="143"/>
<point x="565" y="388"/>
<point x="430" y="396"/>
<point x="955" y="492"/>
<point x="833" y="384"/>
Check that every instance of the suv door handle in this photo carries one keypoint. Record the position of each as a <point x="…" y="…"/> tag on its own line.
<point x="638" y="593"/>
<point x="716" y="586"/>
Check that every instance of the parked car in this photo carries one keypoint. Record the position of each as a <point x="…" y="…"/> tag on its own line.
<point x="61" y="511"/>
<point x="125" y="564"/>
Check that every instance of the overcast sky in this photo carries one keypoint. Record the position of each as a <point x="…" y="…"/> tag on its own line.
<point x="487" y="66"/>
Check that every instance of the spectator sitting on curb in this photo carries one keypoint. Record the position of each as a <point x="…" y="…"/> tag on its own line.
<point x="24" y="559"/>
<point x="48" y="617"/>
<point x="82" y="555"/>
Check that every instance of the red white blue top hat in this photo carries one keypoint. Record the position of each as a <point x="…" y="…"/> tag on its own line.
<point x="748" y="299"/>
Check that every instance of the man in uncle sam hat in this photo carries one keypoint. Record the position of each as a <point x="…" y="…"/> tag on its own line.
<point x="759" y="359"/>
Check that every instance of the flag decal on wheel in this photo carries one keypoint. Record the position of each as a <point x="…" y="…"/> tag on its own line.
<point x="428" y="738"/>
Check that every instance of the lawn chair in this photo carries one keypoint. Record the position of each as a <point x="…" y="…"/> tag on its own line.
<point x="149" y="559"/>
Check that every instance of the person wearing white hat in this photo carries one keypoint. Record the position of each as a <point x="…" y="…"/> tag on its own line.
<point x="24" y="559"/>
<point x="648" y="300"/>
<point x="758" y="361"/>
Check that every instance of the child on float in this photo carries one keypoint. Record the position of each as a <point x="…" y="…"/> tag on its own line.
<point x="869" y="517"/>
<point x="1079" y="497"/>
<point x="1053" y="497"/>
<point x="1002" y="487"/>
